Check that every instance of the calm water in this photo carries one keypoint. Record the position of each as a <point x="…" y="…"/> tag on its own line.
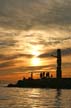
<point x="34" y="98"/>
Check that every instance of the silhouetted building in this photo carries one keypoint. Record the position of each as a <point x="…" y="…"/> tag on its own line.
<point x="59" y="71"/>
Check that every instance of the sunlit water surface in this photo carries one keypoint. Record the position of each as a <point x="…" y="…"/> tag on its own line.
<point x="34" y="98"/>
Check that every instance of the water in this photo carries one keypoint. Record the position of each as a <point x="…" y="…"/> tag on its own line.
<point x="34" y="98"/>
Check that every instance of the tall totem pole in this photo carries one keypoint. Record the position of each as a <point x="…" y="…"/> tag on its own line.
<point x="59" y="71"/>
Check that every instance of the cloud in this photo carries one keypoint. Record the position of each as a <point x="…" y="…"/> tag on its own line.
<point x="65" y="52"/>
<point x="12" y="57"/>
<point x="6" y="64"/>
<point x="21" y="15"/>
<point x="7" y="43"/>
<point x="66" y="65"/>
<point x="24" y="14"/>
<point x="26" y="25"/>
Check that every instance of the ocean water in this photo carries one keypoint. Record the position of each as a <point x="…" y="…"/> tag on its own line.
<point x="34" y="98"/>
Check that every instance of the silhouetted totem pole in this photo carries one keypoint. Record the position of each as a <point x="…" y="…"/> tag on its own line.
<point x="59" y="71"/>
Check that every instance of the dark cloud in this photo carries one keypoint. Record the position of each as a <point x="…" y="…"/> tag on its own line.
<point x="7" y="43"/>
<point x="65" y="52"/>
<point x="24" y="14"/>
<point x="6" y="64"/>
<point x="66" y="65"/>
<point x="11" y="57"/>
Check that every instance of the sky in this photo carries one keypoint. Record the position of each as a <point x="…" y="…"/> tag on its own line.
<point x="31" y="28"/>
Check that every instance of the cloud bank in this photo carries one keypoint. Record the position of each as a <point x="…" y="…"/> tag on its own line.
<point x="26" y="25"/>
<point x="26" y="14"/>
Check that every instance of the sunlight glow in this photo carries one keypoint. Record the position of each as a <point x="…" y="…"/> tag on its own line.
<point x="35" y="50"/>
<point x="35" y="53"/>
<point x="35" y="61"/>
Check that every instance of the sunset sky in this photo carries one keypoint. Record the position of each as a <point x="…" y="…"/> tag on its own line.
<point x="30" y="32"/>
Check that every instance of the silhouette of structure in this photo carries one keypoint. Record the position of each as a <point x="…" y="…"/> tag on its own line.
<point x="47" y="75"/>
<point x="45" y="81"/>
<point x="31" y="75"/>
<point x="59" y="70"/>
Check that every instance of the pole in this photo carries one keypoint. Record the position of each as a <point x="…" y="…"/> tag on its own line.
<point x="59" y="71"/>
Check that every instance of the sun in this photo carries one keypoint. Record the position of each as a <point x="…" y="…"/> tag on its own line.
<point x="35" y="61"/>
<point x="35" y="53"/>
